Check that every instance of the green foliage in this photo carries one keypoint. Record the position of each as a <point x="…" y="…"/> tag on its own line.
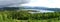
<point x="24" y="15"/>
<point x="12" y="16"/>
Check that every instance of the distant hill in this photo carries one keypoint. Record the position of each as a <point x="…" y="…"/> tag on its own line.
<point x="28" y="7"/>
<point x="9" y="8"/>
<point x="43" y="8"/>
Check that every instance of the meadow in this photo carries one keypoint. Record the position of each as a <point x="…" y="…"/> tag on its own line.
<point x="24" y="16"/>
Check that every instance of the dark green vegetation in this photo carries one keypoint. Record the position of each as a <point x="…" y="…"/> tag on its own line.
<point x="24" y="16"/>
<point x="9" y="15"/>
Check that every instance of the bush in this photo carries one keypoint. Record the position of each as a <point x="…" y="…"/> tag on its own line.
<point x="24" y="15"/>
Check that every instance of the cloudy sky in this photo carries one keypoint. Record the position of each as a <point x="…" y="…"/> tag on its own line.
<point x="44" y="3"/>
<point x="12" y="3"/>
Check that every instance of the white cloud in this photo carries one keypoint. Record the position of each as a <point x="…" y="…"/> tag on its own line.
<point x="46" y="3"/>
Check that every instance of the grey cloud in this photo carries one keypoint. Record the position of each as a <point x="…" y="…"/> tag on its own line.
<point x="4" y="3"/>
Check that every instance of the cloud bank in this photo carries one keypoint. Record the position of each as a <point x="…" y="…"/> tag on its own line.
<point x="44" y="3"/>
<point x="5" y="3"/>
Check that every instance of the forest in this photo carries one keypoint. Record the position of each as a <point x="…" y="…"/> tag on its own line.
<point x="25" y="16"/>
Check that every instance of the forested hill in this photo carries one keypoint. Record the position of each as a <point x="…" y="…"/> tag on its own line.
<point x="43" y="8"/>
<point x="39" y="8"/>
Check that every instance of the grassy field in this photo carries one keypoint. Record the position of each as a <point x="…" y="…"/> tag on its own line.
<point x="4" y="17"/>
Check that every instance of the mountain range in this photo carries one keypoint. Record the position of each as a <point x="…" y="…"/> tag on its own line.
<point x="43" y="8"/>
<point x="31" y="8"/>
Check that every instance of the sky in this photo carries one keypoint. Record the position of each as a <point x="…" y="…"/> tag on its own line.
<point x="44" y="3"/>
<point x="12" y="3"/>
